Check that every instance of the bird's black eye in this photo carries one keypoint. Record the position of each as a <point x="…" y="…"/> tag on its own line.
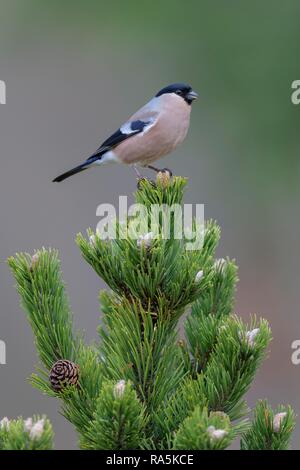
<point x="178" y="92"/>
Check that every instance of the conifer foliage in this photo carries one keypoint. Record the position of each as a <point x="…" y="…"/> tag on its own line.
<point x="29" y="434"/>
<point x="147" y="384"/>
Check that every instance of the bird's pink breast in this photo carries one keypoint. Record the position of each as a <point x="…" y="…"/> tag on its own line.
<point x="168" y="131"/>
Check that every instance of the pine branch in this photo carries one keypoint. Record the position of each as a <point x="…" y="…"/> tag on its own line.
<point x="164" y="191"/>
<point x="162" y="276"/>
<point x="140" y="347"/>
<point x="227" y="377"/>
<point x="119" y="419"/>
<point x="204" y="431"/>
<point x="233" y="363"/>
<point x="161" y="272"/>
<point x="32" y="434"/>
<point x="269" y="430"/>
<point x="43" y="298"/>
<point x="203" y="323"/>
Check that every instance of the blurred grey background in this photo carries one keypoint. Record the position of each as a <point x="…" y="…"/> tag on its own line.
<point x="74" y="71"/>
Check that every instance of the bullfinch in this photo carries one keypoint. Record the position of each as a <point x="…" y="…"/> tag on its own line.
<point x="152" y="132"/>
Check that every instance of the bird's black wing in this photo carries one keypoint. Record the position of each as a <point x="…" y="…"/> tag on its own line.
<point x="127" y="130"/>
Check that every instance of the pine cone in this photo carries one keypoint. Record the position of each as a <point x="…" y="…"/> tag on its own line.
<point x="63" y="374"/>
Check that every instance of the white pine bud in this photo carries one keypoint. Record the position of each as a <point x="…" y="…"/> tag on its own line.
<point x="164" y="178"/>
<point x="145" y="240"/>
<point x="34" y="260"/>
<point x="199" y="276"/>
<point x="37" y="429"/>
<point x="278" y="420"/>
<point x="251" y="335"/>
<point x="28" y="424"/>
<point x="92" y="240"/>
<point x="4" y="423"/>
<point x="119" y="389"/>
<point x="220" y="264"/>
<point x="216" y="434"/>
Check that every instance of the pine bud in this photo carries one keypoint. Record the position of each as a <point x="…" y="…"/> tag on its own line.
<point x="199" y="276"/>
<point x="216" y="434"/>
<point x="145" y="240"/>
<point x="163" y="177"/>
<point x="28" y="424"/>
<point x="34" y="261"/>
<point x="4" y="423"/>
<point x="119" y="389"/>
<point x="220" y="265"/>
<point x="37" y="429"/>
<point x="251" y="335"/>
<point x="278" y="420"/>
<point x="92" y="240"/>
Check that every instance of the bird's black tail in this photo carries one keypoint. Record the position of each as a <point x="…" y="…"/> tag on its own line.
<point x="72" y="172"/>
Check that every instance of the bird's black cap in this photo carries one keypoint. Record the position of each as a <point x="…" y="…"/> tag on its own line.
<point x="181" y="89"/>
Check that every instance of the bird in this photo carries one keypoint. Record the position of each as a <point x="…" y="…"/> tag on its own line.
<point x="152" y="132"/>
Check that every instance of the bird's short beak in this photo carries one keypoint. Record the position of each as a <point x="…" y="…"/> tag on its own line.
<point x="192" y="95"/>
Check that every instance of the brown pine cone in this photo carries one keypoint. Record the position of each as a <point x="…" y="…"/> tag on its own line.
<point x="63" y="374"/>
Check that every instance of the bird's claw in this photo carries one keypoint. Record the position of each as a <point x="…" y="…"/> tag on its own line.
<point x="166" y="170"/>
<point x="158" y="170"/>
<point x="139" y="181"/>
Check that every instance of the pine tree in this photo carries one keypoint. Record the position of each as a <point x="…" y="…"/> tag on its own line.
<point x="145" y="385"/>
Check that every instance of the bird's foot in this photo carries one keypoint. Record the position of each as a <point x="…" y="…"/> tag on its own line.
<point x="138" y="174"/>
<point x="140" y="180"/>
<point x="158" y="170"/>
<point x="166" y="170"/>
